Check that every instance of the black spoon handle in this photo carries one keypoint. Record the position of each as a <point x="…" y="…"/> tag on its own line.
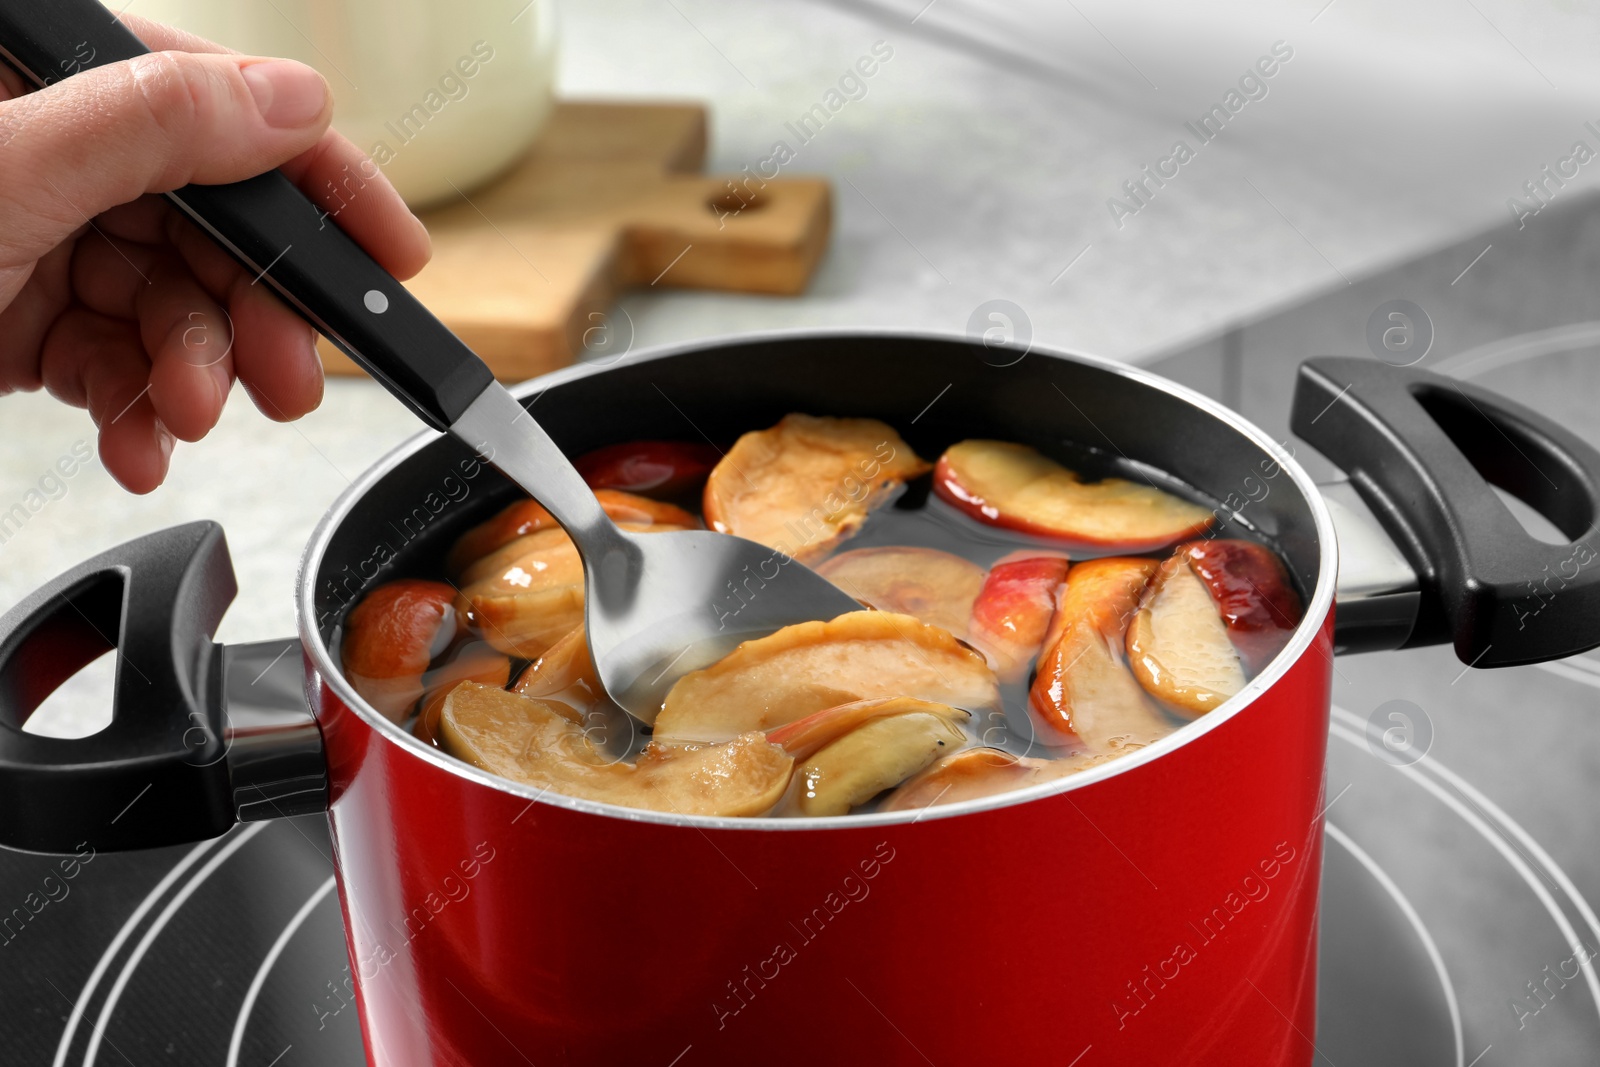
<point x="275" y="231"/>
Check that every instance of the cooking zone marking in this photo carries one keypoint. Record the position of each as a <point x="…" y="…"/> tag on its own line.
<point x="239" y="841"/>
<point x="117" y="942"/>
<point x="1417" y="924"/>
<point x="243" y="1018"/>
<point x="1351" y="728"/>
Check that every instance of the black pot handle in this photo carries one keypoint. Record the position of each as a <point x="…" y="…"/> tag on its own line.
<point x="195" y="741"/>
<point x="275" y="231"/>
<point x="1413" y="444"/>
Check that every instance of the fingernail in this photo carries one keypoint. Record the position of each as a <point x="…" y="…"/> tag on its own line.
<point x="288" y="94"/>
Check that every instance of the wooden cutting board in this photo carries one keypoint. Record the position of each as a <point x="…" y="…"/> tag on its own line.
<point x="611" y="196"/>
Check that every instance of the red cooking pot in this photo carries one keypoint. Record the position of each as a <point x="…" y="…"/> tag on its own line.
<point x="1158" y="908"/>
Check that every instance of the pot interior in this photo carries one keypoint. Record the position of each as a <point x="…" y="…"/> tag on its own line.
<point x="1096" y="417"/>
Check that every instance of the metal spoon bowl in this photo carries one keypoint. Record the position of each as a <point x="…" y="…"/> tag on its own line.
<point x="657" y="605"/>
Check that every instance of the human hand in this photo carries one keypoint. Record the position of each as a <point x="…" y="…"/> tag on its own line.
<point x="110" y="297"/>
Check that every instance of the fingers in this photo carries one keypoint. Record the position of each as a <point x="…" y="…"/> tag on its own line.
<point x="134" y="447"/>
<point x="356" y="197"/>
<point x="108" y="135"/>
<point x="276" y="355"/>
<point x="98" y="362"/>
<point x="185" y="333"/>
<point x="195" y="346"/>
<point x="163" y="319"/>
<point x="190" y="341"/>
<point x="31" y="298"/>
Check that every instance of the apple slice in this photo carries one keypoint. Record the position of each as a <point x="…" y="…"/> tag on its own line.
<point x="1011" y="485"/>
<point x="529" y="516"/>
<point x="533" y="596"/>
<point x="802" y="669"/>
<point x="518" y="563"/>
<point x="936" y="587"/>
<point x="1253" y="594"/>
<point x="804" y="737"/>
<point x="983" y="772"/>
<point x="1011" y="615"/>
<point x="516" y="520"/>
<point x="807" y="483"/>
<point x="1083" y="691"/>
<point x="885" y="746"/>
<point x="666" y="468"/>
<point x="630" y="507"/>
<point x="555" y="539"/>
<point x="542" y="744"/>
<point x="392" y="636"/>
<point x="528" y="594"/>
<point x="526" y="625"/>
<point x="1178" y="645"/>
<point x="565" y="673"/>
<point x="469" y="661"/>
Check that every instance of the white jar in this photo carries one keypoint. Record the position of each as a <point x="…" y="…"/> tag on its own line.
<point x="442" y="93"/>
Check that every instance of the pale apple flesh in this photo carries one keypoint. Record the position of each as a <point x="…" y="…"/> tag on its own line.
<point x="565" y="673"/>
<point x="542" y="744"/>
<point x="1178" y="646"/>
<point x="936" y="587"/>
<point x="807" y="483"/>
<point x="802" y="669"/>
<point x="803" y="737"/>
<point x="874" y="757"/>
<point x="545" y="555"/>
<point x="1012" y="485"/>
<point x="524" y="517"/>
<point x="529" y="594"/>
<point x="1083" y="692"/>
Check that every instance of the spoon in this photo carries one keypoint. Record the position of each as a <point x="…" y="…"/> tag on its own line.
<point x="656" y="605"/>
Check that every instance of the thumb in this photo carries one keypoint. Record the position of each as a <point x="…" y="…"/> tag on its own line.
<point x="153" y="123"/>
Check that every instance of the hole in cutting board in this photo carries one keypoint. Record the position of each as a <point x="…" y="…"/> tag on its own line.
<point x="731" y="203"/>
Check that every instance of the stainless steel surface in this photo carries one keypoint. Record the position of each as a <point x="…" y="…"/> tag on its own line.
<point x="1377" y="592"/>
<point x="276" y="766"/>
<point x="658" y="605"/>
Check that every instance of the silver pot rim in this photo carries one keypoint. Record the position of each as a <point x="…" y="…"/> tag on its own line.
<point x="1317" y="610"/>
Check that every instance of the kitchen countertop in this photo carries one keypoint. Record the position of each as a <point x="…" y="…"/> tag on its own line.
<point x="960" y="178"/>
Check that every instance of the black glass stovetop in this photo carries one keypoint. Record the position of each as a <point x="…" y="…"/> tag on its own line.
<point x="1456" y="928"/>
